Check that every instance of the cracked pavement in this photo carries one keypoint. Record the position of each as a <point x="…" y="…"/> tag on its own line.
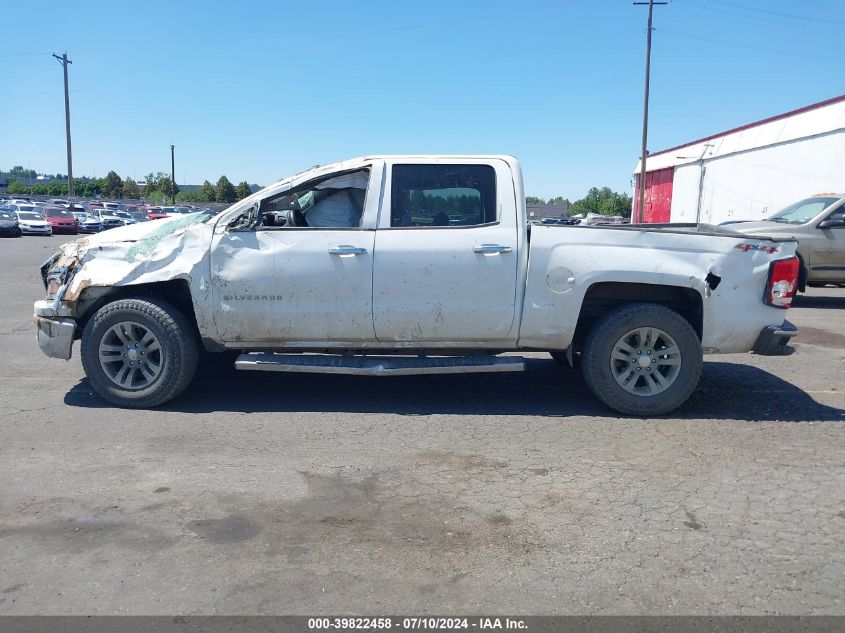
<point x="257" y="493"/>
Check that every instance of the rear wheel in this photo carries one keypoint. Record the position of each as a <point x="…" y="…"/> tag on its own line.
<point x="139" y="353"/>
<point x="642" y="359"/>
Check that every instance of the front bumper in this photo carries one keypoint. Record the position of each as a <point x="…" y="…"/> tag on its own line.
<point x="36" y="230"/>
<point x="54" y="334"/>
<point x="773" y="340"/>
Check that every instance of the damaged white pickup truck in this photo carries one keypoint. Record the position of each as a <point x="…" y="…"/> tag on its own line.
<point x="396" y="265"/>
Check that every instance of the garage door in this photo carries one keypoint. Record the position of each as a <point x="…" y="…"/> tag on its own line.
<point x="658" y="195"/>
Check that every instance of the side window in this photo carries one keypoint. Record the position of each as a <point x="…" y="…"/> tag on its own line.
<point x="442" y="195"/>
<point x="333" y="202"/>
<point x="838" y="215"/>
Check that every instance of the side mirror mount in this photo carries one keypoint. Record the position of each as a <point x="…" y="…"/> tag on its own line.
<point x="831" y="224"/>
<point x="246" y="220"/>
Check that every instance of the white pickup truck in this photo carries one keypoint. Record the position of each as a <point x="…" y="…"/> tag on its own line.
<point x="396" y="265"/>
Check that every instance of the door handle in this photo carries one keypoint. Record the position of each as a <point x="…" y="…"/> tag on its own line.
<point x="345" y="249"/>
<point x="489" y="249"/>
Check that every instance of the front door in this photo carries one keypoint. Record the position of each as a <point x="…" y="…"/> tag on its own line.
<point x="303" y="284"/>
<point x="827" y="249"/>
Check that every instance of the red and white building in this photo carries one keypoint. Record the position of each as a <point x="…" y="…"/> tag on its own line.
<point x="749" y="172"/>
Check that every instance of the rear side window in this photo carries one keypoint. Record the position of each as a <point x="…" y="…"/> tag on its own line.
<point x="442" y="195"/>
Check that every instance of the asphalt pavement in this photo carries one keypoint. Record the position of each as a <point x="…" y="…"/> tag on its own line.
<point x="257" y="493"/>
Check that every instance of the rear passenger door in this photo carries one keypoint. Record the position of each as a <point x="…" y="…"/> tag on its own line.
<point x="446" y="254"/>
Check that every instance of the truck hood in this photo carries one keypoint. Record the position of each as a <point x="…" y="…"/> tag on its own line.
<point x="134" y="254"/>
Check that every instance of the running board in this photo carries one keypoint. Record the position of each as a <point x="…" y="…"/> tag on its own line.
<point x="377" y="365"/>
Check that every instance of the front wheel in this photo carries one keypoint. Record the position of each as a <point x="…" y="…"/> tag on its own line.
<point x="642" y="359"/>
<point x="139" y="353"/>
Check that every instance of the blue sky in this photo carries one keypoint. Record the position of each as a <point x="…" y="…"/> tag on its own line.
<point x="259" y="90"/>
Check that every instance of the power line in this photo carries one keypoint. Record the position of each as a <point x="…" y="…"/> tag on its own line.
<point x="22" y="54"/>
<point x="760" y="18"/>
<point x="793" y="16"/>
<point x="750" y="47"/>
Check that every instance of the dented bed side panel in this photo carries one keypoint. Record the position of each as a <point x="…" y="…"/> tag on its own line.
<point x="566" y="261"/>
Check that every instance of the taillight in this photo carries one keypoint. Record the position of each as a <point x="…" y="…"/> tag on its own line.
<point x="782" y="282"/>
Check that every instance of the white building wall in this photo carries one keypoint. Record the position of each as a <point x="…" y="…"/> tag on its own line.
<point x="754" y="183"/>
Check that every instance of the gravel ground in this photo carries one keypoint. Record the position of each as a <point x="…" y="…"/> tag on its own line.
<point x="260" y="493"/>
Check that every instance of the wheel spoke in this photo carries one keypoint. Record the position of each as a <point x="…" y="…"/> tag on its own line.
<point x="153" y="347"/>
<point x="149" y="375"/>
<point x="621" y="355"/>
<point x="147" y="339"/>
<point x="624" y="375"/>
<point x="650" y="384"/>
<point x="622" y="346"/>
<point x="660" y="379"/>
<point x="122" y="375"/>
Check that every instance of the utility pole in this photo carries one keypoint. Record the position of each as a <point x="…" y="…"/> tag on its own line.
<point x="64" y="61"/>
<point x="172" y="176"/>
<point x="641" y="205"/>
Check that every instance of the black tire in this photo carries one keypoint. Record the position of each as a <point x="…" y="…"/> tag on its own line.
<point x="599" y="344"/>
<point x="179" y="351"/>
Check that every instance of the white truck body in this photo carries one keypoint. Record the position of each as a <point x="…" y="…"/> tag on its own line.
<point x="493" y="286"/>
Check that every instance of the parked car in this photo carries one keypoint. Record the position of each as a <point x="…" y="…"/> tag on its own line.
<point x="87" y="223"/>
<point x="33" y="223"/>
<point x="818" y="223"/>
<point x="156" y="213"/>
<point x="126" y="217"/>
<point x="9" y="226"/>
<point x="388" y="272"/>
<point x="107" y="218"/>
<point x="61" y="220"/>
<point x="137" y="213"/>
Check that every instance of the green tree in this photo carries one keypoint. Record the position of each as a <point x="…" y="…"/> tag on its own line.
<point x="560" y="200"/>
<point x="207" y="192"/>
<point x="57" y="189"/>
<point x="243" y="190"/>
<point x="131" y="189"/>
<point x="17" y="187"/>
<point x="112" y="186"/>
<point x="603" y="201"/>
<point x="225" y="190"/>
<point x="534" y="200"/>
<point x="39" y="189"/>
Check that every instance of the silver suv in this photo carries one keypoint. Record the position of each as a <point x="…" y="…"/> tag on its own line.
<point x="818" y="223"/>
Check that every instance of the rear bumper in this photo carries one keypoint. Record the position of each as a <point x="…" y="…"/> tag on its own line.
<point x="773" y="340"/>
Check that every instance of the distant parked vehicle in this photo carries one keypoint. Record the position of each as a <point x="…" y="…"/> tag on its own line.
<point x="108" y="219"/>
<point x="818" y="223"/>
<point x="61" y="220"/>
<point x="156" y="213"/>
<point x="87" y="223"/>
<point x="33" y="223"/>
<point x="126" y="217"/>
<point x="9" y="226"/>
<point x="137" y="214"/>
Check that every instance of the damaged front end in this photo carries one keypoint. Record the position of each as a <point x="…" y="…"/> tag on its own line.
<point x="144" y="253"/>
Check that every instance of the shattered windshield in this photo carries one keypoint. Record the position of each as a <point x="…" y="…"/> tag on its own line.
<point x="803" y="211"/>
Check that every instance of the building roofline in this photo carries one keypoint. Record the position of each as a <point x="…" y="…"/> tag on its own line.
<point x="747" y="126"/>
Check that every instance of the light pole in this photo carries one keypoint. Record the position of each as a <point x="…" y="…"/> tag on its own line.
<point x="64" y="61"/>
<point x="644" y="153"/>
<point x="172" y="176"/>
